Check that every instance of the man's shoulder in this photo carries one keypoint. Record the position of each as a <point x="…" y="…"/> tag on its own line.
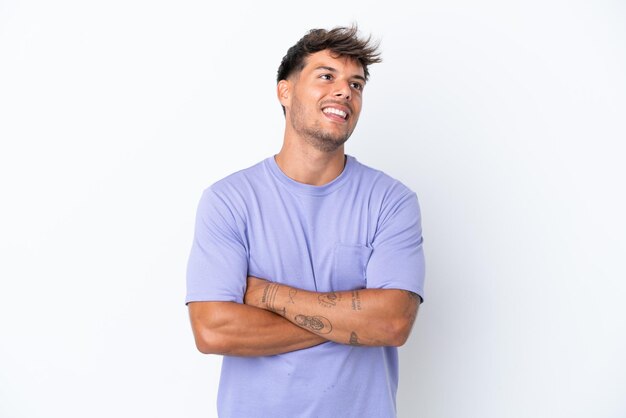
<point x="239" y="180"/>
<point x="381" y="182"/>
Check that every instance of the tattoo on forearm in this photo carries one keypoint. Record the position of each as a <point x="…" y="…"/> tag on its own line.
<point x="329" y="300"/>
<point x="269" y="298"/>
<point x="354" y="339"/>
<point x="292" y="293"/>
<point x="269" y="292"/>
<point x="317" y="324"/>
<point x="356" y="300"/>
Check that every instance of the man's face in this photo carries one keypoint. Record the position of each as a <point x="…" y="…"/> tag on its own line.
<point x="323" y="101"/>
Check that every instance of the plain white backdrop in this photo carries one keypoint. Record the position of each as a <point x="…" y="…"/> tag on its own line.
<point x="506" y="118"/>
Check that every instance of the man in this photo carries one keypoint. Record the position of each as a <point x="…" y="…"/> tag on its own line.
<point x="307" y="269"/>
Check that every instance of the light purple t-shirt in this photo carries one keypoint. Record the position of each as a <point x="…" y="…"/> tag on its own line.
<point x="362" y="230"/>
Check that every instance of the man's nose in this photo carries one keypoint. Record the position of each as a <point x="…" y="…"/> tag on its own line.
<point x="343" y="90"/>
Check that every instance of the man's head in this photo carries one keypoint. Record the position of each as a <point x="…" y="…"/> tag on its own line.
<point x="341" y="41"/>
<point x="320" y="83"/>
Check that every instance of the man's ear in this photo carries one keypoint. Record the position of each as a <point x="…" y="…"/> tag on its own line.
<point x="283" y="91"/>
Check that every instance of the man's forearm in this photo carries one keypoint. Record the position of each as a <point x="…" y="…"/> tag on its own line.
<point x="235" y="329"/>
<point x="372" y="317"/>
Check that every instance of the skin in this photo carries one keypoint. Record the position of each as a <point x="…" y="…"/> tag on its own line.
<point x="274" y="318"/>
<point x="318" y="159"/>
<point x="236" y="329"/>
<point x="372" y="317"/>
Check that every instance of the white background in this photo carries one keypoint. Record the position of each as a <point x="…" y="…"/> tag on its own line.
<point x="507" y="119"/>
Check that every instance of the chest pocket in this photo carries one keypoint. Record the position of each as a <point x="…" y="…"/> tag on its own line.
<point x="349" y="264"/>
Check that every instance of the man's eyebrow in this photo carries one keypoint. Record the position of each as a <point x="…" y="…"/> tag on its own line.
<point x="323" y="67"/>
<point x="334" y="70"/>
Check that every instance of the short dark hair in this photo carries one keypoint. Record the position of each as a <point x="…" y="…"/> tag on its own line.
<point x="343" y="41"/>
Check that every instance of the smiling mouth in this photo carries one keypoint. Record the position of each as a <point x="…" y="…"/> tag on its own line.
<point x="335" y="111"/>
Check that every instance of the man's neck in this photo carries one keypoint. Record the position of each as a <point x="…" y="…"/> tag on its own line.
<point x="310" y="166"/>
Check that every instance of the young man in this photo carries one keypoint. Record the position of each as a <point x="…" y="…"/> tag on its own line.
<point x="307" y="269"/>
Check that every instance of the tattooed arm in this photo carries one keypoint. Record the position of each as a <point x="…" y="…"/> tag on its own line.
<point x="234" y="329"/>
<point x="371" y="317"/>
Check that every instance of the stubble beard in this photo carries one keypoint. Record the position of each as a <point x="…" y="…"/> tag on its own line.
<point x="315" y="135"/>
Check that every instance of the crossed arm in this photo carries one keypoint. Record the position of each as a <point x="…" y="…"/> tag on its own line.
<point x="276" y="318"/>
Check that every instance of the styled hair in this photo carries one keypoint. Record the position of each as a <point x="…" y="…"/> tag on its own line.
<point x="342" y="41"/>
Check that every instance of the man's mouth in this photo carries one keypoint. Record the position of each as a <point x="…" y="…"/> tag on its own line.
<point x="335" y="111"/>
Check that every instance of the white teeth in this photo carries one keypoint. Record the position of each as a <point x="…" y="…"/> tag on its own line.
<point x="335" y="111"/>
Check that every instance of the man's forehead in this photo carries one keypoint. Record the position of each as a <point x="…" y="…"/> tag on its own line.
<point x="327" y="59"/>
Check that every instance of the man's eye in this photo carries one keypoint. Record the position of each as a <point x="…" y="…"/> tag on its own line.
<point x="326" y="76"/>
<point x="357" y="86"/>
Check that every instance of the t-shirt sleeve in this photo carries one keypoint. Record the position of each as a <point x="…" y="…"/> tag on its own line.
<point x="218" y="263"/>
<point x="397" y="260"/>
